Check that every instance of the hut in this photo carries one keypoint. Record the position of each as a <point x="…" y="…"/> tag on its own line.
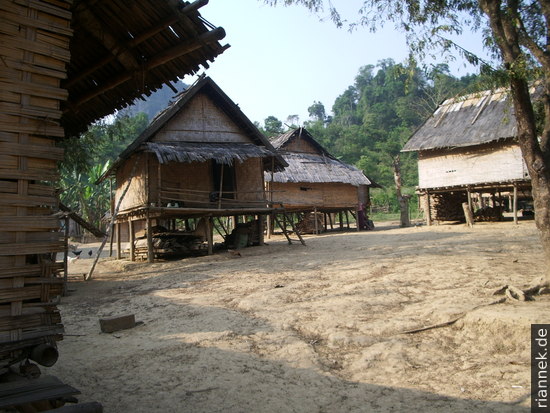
<point x="468" y="154"/>
<point x="315" y="182"/>
<point x="65" y="64"/>
<point x="199" y="159"/>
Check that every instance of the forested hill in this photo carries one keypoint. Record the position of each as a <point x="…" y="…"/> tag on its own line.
<point x="373" y="118"/>
<point x="154" y="103"/>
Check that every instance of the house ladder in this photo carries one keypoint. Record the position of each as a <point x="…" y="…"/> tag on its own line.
<point x="283" y="228"/>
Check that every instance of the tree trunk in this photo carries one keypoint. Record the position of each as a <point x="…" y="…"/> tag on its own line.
<point x="402" y="199"/>
<point x="536" y="154"/>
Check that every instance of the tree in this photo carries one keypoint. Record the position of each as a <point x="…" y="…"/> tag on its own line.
<point x="518" y="34"/>
<point x="272" y="126"/>
<point x="317" y="111"/>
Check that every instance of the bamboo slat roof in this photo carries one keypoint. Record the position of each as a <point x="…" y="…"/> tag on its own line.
<point x="319" y="167"/>
<point x="122" y="50"/>
<point x="226" y="153"/>
<point x="468" y="120"/>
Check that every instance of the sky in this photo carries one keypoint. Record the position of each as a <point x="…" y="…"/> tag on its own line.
<point x="283" y="59"/>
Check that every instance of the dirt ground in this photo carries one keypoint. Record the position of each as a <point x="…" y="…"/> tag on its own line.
<point x="288" y="328"/>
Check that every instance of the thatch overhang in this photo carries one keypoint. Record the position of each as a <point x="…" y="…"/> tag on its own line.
<point x="318" y="167"/>
<point x="122" y="50"/>
<point x="226" y="153"/>
<point x="208" y="86"/>
<point x="469" y="120"/>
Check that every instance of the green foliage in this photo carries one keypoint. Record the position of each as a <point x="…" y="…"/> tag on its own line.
<point x="272" y="126"/>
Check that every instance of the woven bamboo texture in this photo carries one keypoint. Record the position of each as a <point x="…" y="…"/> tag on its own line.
<point x="35" y="39"/>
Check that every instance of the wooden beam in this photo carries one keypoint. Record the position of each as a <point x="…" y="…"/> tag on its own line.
<point x="118" y="243"/>
<point x="158" y="60"/>
<point x="138" y="39"/>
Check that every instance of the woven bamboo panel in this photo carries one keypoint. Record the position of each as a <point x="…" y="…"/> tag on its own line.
<point x="35" y="37"/>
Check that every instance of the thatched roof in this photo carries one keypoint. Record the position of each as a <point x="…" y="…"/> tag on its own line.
<point x="319" y="167"/>
<point x="312" y="168"/>
<point x="182" y="152"/>
<point x="122" y="50"/>
<point x="225" y="153"/>
<point x="468" y="120"/>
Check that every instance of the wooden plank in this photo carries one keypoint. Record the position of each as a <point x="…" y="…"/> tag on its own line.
<point x="28" y="201"/>
<point x="110" y="325"/>
<point x="26" y="271"/>
<point x="7" y="13"/>
<point x="29" y="112"/>
<point x="32" y="67"/>
<point x="33" y="390"/>
<point x="31" y="248"/>
<point x="29" y="321"/>
<point x="20" y="294"/>
<point x="30" y="175"/>
<point x="46" y="8"/>
<point x="29" y="223"/>
<point x="29" y="88"/>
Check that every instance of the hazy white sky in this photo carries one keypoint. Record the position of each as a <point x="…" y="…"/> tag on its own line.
<point x="282" y="59"/>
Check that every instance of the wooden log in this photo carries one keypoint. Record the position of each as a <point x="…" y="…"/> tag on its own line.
<point x="110" y="325"/>
<point x="33" y="390"/>
<point x="90" y="407"/>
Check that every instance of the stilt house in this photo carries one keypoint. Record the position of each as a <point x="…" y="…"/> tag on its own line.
<point x="199" y="158"/>
<point x="468" y="152"/>
<point x="63" y="65"/>
<point x="315" y="181"/>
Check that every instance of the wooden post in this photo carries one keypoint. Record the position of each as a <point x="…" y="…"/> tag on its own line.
<point x="118" y="243"/>
<point x="515" y="203"/>
<point x="347" y="218"/>
<point x="159" y="183"/>
<point x="468" y="214"/>
<point x="315" y="221"/>
<point x="469" y="194"/>
<point x="66" y="255"/>
<point x="428" y="210"/>
<point x="132" y="238"/>
<point x="341" y="220"/>
<point x="220" y="192"/>
<point x="261" y="226"/>
<point x="150" y="251"/>
<point x="209" y="235"/>
<point x="357" y="218"/>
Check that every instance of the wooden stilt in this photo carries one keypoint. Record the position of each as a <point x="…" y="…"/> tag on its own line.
<point x="515" y="204"/>
<point x="347" y="218"/>
<point x="150" y="250"/>
<point x="118" y="243"/>
<point x="210" y="235"/>
<point x="132" y="237"/>
<point x="340" y="219"/>
<point x="315" y="220"/>
<point x="428" y="210"/>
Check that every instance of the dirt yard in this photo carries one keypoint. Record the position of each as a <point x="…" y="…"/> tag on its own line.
<point x="312" y="329"/>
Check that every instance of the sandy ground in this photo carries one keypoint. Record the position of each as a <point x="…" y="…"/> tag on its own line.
<point x="312" y="329"/>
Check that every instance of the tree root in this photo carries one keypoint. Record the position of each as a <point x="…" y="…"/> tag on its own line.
<point x="454" y="320"/>
<point x="516" y="294"/>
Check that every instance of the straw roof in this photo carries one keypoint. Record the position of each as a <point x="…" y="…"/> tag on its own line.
<point x="225" y="153"/>
<point x="319" y="167"/>
<point x="468" y="120"/>
<point x="122" y="50"/>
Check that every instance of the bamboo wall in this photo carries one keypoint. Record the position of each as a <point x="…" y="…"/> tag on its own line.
<point x="300" y="145"/>
<point x="137" y="192"/>
<point x="201" y="120"/>
<point x="325" y="195"/>
<point x="35" y="37"/>
<point x="250" y="180"/>
<point x="497" y="162"/>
